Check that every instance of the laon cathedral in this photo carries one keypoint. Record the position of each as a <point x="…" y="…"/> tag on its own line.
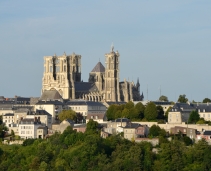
<point x="63" y="73"/>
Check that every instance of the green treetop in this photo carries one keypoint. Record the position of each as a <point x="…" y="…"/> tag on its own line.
<point x="150" y="112"/>
<point x="182" y="99"/>
<point x="67" y="114"/>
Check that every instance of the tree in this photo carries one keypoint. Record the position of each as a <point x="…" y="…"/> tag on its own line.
<point x="160" y="112"/>
<point x="140" y="109"/>
<point x="3" y="130"/>
<point x="201" y="121"/>
<point x="154" y="130"/>
<point x="129" y="105"/>
<point x="194" y="117"/>
<point x="182" y="99"/>
<point x="150" y="113"/>
<point x="163" y="98"/>
<point x="126" y="113"/>
<point x="187" y="141"/>
<point x="206" y="100"/>
<point x="67" y="114"/>
<point x="110" y="113"/>
<point x="92" y="126"/>
<point x="1" y="120"/>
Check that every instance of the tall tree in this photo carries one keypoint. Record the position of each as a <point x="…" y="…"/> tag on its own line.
<point x="194" y="117"/>
<point x="67" y="114"/>
<point x="110" y="113"/>
<point x="150" y="112"/>
<point x="163" y="98"/>
<point x="92" y="126"/>
<point x="140" y="108"/>
<point x="154" y="130"/>
<point x="160" y="112"/>
<point x="206" y="100"/>
<point x="182" y="99"/>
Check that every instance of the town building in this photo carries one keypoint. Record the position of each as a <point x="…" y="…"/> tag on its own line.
<point x="134" y="130"/>
<point x="28" y="128"/>
<point x="180" y="112"/>
<point x="87" y="107"/>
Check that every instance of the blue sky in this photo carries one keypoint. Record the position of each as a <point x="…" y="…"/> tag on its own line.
<point x="164" y="43"/>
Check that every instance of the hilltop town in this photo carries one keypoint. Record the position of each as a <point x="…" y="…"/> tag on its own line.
<point x="118" y="106"/>
<point x="103" y="121"/>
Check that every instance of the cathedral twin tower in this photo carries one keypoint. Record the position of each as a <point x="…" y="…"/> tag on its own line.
<point x="63" y="73"/>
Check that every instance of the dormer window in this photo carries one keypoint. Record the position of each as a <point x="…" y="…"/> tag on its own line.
<point x="203" y="110"/>
<point x="198" y="110"/>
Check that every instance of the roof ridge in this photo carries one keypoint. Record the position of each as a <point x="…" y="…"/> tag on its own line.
<point x="98" y="67"/>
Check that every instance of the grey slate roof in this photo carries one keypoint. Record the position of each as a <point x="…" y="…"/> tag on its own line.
<point x="183" y="107"/>
<point x="50" y="95"/>
<point x="56" y="102"/>
<point x="132" y="125"/>
<point x="207" y="133"/>
<point x="203" y="106"/>
<point x="85" y="87"/>
<point x="82" y="102"/>
<point x="9" y="114"/>
<point x="161" y="103"/>
<point x="121" y="120"/>
<point x="118" y="103"/>
<point x="98" y="68"/>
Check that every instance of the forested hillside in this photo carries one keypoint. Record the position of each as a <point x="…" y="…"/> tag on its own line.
<point x="88" y="151"/>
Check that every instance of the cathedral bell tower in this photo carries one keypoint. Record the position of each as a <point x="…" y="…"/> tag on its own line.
<point x="112" y="76"/>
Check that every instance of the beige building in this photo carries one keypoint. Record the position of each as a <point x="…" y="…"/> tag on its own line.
<point x="87" y="107"/>
<point x="52" y="107"/>
<point x="28" y="128"/>
<point x="63" y="73"/>
<point x="134" y="130"/>
<point x="42" y="131"/>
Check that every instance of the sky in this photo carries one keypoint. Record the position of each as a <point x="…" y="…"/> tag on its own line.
<point x="165" y="43"/>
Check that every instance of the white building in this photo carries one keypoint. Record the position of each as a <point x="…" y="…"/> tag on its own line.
<point x="87" y="107"/>
<point x="52" y="107"/>
<point x="28" y="128"/>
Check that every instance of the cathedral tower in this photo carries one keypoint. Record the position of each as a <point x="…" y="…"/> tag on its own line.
<point x="60" y="73"/>
<point x="111" y="91"/>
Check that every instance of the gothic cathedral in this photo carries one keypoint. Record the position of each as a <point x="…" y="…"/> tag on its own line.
<point x="63" y="73"/>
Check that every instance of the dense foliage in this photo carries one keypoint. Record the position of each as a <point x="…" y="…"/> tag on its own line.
<point x="88" y="151"/>
<point x="3" y="128"/>
<point x="182" y="99"/>
<point x="137" y="112"/>
<point x="151" y="112"/>
<point x="163" y="98"/>
<point x="67" y="114"/>
<point x="206" y="100"/>
<point x="194" y="117"/>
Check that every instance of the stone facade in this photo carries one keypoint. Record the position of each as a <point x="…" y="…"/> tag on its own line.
<point x="63" y="73"/>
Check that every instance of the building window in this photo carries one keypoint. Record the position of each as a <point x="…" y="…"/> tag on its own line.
<point x="208" y="115"/>
<point x="64" y="68"/>
<point x="51" y="68"/>
<point x="96" y="117"/>
<point x="57" y="69"/>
